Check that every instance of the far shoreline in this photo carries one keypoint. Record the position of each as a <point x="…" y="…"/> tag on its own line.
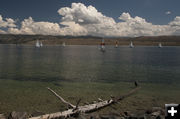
<point x="89" y="40"/>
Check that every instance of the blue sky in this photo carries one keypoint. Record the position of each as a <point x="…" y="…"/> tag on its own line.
<point x="152" y="11"/>
<point x="46" y="10"/>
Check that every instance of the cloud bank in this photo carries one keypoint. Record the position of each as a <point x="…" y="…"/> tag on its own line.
<point x="87" y="20"/>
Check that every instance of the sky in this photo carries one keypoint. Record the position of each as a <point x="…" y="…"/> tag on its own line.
<point x="90" y="17"/>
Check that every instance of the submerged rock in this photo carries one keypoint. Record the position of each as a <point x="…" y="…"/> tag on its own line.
<point x="18" y="115"/>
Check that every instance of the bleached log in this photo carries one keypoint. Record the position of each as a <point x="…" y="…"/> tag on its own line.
<point x="83" y="109"/>
<point x="58" y="96"/>
<point x="99" y="99"/>
<point x="2" y="116"/>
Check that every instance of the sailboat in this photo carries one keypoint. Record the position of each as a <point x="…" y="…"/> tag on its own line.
<point x="116" y="46"/>
<point x="38" y="44"/>
<point x="160" y="45"/>
<point x="64" y="44"/>
<point x="131" y="45"/>
<point x="41" y="44"/>
<point x="102" y="46"/>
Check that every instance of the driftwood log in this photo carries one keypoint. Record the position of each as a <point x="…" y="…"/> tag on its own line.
<point x="2" y="116"/>
<point x="76" y="110"/>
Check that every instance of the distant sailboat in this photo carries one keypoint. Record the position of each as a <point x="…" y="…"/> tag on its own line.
<point x="116" y="46"/>
<point x="41" y="44"/>
<point x="64" y="44"/>
<point x="38" y="44"/>
<point x="131" y="45"/>
<point x="102" y="46"/>
<point x="160" y="45"/>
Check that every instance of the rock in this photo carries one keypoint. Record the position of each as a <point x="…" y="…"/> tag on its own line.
<point x="154" y="109"/>
<point x="132" y="118"/>
<point x="148" y="111"/>
<point x="104" y="117"/>
<point x="18" y="115"/>
<point x="91" y="117"/>
<point x="127" y="113"/>
<point x="141" y="117"/>
<point x="158" y="113"/>
<point x="158" y="117"/>
<point x="147" y="116"/>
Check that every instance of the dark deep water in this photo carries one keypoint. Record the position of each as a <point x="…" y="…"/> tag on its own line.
<point x="87" y="63"/>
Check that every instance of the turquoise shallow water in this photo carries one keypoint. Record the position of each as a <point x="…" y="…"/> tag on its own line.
<point x="87" y="63"/>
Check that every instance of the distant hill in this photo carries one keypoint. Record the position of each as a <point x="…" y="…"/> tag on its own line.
<point x="88" y="40"/>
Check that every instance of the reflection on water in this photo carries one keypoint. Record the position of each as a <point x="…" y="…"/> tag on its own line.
<point x="87" y="63"/>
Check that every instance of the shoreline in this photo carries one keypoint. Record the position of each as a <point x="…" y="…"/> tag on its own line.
<point x="33" y="95"/>
<point x="89" y="40"/>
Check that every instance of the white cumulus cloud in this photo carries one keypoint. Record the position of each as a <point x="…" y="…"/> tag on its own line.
<point x="81" y="14"/>
<point x="98" y="24"/>
<point x="29" y="26"/>
<point x="8" y="22"/>
<point x="87" y="20"/>
<point x="88" y="17"/>
<point x="175" y="22"/>
<point x="2" y="32"/>
<point x="72" y="28"/>
<point x="138" y="26"/>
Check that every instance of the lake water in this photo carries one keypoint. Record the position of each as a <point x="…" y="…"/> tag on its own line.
<point x="87" y="63"/>
<point x="85" y="72"/>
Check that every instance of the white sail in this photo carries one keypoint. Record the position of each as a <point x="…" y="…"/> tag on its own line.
<point x="38" y="44"/>
<point x="160" y="45"/>
<point x="131" y="45"/>
<point x="102" y="47"/>
<point x="116" y="46"/>
<point x="41" y="44"/>
<point x="64" y="44"/>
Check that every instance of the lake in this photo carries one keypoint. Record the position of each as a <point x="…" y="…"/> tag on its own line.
<point x="87" y="63"/>
<point x="83" y="71"/>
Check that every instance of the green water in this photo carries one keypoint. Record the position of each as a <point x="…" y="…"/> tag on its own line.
<point x="85" y="72"/>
